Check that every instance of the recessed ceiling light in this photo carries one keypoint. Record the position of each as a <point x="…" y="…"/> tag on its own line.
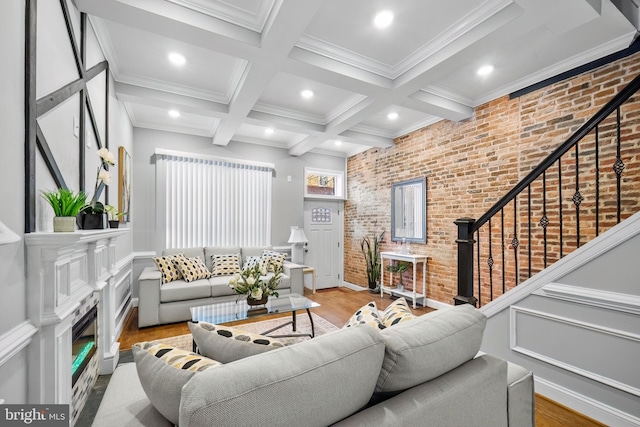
<point x="485" y="70"/>
<point x="338" y="142"/>
<point x="306" y="93"/>
<point x="268" y="131"/>
<point x="392" y="116"/>
<point x="177" y="59"/>
<point x="174" y="113"/>
<point x="383" y="19"/>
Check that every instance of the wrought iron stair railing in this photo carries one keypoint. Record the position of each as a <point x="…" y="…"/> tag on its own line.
<point x="588" y="184"/>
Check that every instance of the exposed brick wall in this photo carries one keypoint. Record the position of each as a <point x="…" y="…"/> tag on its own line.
<point x="471" y="164"/>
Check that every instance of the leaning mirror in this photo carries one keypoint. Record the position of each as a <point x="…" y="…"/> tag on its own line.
<point x="409" y="211"/>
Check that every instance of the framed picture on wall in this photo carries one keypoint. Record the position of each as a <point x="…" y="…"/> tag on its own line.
<point x="124" y="189"/>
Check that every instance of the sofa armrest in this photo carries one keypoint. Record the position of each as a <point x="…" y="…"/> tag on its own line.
<point x="149" y="284"/>
<point x="294" y="271"/>
<point x="520" y="396"/>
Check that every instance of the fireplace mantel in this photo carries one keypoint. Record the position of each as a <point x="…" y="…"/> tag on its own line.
<point x="63" y="269"/>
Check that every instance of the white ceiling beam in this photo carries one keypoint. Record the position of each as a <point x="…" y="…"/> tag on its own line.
<point x="362" y="138"/>
<point x="286" y="25"/>
<point x="437" y="105"/>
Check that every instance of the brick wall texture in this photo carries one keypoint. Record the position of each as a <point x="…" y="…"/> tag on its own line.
<point x="471" y="164"/>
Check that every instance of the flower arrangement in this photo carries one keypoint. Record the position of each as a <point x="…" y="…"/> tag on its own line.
<point x="103" y="176"/>
<point x="255" y="283"/>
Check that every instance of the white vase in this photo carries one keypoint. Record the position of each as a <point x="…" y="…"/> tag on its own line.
<point x="64" y="223"/>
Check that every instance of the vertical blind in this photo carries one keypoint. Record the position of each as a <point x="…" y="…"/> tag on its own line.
<point x="210" y="201"/>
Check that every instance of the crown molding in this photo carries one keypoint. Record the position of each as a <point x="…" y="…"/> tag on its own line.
<point x="455" y="31"/>
<point x="447" y="93"/>
<point x="104" y="40"/>
<point x="289" y="114"/>
<point x="345" y="106"/>
<point x="175" y="129"/>
<point x="230" y="12"/>
<point x="558" y="68"/>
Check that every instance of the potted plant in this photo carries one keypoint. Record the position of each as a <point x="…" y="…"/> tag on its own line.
<point x="114" y="216"/>
<point x="399" y="267"/>
<point x="66" y="204"/>
<point x="92" y="215"/>
<point x="370" y="247"/>
<point x="256" y="284"/>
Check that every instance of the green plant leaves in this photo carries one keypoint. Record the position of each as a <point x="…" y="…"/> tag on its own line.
<point x="65" y="202"/>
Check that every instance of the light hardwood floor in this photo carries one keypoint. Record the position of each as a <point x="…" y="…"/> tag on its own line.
<point x="338" y="304"/>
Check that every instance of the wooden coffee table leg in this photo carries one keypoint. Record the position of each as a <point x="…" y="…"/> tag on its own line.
<point x="313" y="330"/>
<point x="293" y="320"/>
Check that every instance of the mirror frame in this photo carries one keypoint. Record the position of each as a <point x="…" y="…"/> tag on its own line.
<point x="423" y="193"/>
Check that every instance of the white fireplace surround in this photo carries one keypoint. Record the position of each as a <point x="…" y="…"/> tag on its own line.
<point x="62" y="270"/>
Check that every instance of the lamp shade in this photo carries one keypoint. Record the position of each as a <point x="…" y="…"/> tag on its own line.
<point x="297" y="235"/>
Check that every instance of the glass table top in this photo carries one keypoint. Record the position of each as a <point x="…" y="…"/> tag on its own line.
<point x="239" y="310"/>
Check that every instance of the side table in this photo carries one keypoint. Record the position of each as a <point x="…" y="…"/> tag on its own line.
<point x="413" y="259"/>
<point x="312" y="271"/>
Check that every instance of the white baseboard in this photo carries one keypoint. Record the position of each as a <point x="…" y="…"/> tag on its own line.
<point x="585" y="405"/>
<point x="438" y="305"/>
<point x="134" y="302"/>
<point x="354" y="287"/>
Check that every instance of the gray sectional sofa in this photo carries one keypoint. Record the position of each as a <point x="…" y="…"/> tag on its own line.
<point x="170" y="302"/>
<point x="426" y="371"/>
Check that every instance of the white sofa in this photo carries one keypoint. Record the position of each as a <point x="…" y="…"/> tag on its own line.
<point x="421" y="372"/>
<point x="170" y="302"/>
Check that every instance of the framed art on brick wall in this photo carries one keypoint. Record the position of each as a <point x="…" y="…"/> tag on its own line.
<point x="124" y="184"/>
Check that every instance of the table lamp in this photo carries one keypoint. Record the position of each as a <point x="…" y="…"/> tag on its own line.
<point x="297" y="240"/>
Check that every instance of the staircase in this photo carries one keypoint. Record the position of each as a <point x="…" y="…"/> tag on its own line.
<point x="554" y="266"/>
<point x="586" y="186"/>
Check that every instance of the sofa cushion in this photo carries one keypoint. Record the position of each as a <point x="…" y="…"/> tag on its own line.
<point x="209" y="251"/>
<point x="397" y="312"/>
<point x="430" y="345"/>
<point x="276" y="259"/>
<point x="179" y="290"/>
<point x="366" y="315"/>
<point x="188" y="252"/>
<point x="163" y="370"/>
<point x="254" y="251"/>
<point x="192" y="268"/>
<point x="251" y="261"/>
<point x="226" y="343"/>
<point x="312" y="383"/>
<point x="225" y="264"/>
<point x="168" y="268"/>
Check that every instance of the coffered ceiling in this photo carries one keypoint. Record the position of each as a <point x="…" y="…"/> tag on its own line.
<point x="248" y="61"/>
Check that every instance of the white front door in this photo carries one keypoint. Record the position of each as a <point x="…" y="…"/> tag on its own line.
<point x="324" y="229"/>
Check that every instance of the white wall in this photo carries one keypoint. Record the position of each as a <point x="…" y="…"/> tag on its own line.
<point x="12" y="278"/>
<point x="287" y="200"/>
<point x="55" y="68"/>
<point x="576" y="325"/>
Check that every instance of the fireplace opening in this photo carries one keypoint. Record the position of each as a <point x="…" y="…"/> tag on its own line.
<point x="83" y="344"/>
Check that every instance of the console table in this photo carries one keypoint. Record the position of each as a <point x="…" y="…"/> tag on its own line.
<point x="413" y="259"/>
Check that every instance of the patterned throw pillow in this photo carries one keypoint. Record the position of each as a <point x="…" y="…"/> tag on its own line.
<point x="276" y="259"/>
<point x="225" y="265"/>
<point x="367" y="315"/>
<point x="163" y="370"/>
<point x="226" y="344"/>
<point x="178" y="358"/>
<point x="168" y="267"/>
<point x="397" y="312"/>
<point x="252" y="261"/>
<point x="192" y="269"/>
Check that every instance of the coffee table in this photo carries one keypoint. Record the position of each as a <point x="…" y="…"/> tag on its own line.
<point x="225" y="312"/>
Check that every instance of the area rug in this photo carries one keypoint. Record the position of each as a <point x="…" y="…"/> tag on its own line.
<point x="321" y="327"/>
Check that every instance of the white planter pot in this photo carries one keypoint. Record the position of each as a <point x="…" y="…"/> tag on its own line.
<point x="64" y="223"/>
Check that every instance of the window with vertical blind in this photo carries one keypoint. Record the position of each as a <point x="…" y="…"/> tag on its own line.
<point x="211" y="201"/>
